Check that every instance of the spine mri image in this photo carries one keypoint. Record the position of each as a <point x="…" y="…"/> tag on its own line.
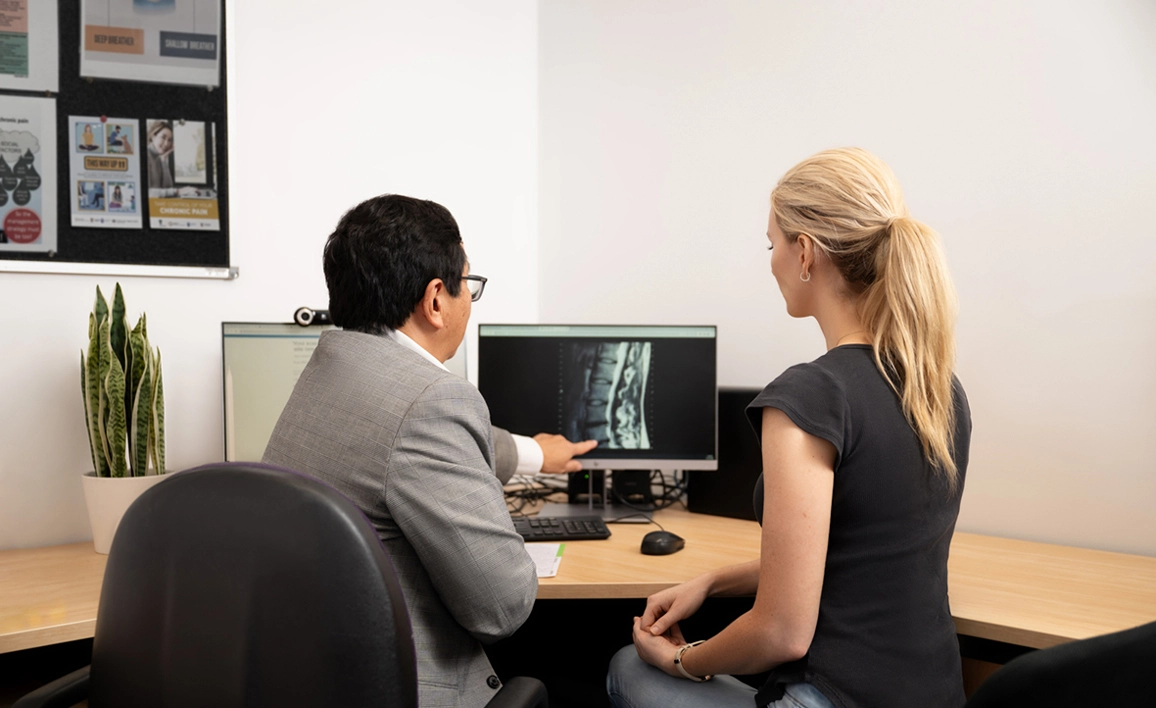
<point x="604" y="393"/>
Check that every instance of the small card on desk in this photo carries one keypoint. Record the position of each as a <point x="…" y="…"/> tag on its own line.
<point x="547" y="557"/>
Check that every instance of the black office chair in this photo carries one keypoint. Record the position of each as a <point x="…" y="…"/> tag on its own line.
<point x="1111" y="670"/>
<point x="249" y="585"/>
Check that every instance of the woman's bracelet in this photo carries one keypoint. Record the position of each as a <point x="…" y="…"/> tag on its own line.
<point x="681" y="669"/>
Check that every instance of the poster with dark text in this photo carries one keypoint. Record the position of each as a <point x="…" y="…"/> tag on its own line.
<point x="29" y="53"/>
<point x="27" y="174"/>
<point x="166" y="41"/>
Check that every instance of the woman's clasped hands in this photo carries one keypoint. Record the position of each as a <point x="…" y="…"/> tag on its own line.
<point x="657" y="635"/>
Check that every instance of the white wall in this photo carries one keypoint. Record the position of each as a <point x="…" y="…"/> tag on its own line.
<point x="1022" y="130"/>
<point x="434" y="99"/>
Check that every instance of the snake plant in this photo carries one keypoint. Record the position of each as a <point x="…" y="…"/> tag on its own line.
<point x="124" y="399"/>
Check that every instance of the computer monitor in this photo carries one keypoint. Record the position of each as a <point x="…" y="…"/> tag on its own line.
<point x="261" y="364"/>
<point x="646" y="393"/>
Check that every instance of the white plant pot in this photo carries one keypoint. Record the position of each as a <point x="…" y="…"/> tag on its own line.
<point x="108" y="498"/>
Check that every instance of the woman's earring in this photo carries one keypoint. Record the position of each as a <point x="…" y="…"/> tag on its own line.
<point x="805" y="280"/>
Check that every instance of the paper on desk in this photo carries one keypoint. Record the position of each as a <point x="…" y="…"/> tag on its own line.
<point x="547" y="557"/>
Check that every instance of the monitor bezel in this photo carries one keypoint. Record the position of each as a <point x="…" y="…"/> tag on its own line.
<point x="458" y="369"/>
<point x="610" y="463"/>
<point x="224" y="389"/>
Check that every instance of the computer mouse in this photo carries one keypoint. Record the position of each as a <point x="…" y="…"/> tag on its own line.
<point x="661" y="543"/>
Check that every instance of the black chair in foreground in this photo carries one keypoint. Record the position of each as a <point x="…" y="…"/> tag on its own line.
<point x="243" y="584"/>
<point x="1117" y="669"/>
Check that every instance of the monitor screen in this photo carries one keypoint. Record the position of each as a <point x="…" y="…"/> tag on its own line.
<point x="262" y="361"/>
<point x="646" y="393"/>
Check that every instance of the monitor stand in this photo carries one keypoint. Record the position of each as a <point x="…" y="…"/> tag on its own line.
<point x="610" y="513"/>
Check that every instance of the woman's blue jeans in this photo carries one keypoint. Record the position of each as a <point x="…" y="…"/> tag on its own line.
<point x="633" y="683"/>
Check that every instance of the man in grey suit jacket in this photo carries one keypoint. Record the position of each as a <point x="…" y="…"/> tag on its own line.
<point x="377" y="416"/>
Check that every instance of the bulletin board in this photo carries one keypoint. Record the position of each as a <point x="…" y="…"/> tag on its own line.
<point x="176" y="241"/>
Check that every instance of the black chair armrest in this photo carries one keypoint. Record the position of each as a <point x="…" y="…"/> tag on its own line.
<point x="62" y="693"/>
<point x="519" y="692"/>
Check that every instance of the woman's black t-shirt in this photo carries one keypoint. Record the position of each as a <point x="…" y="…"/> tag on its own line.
<point x="884" y="635"/>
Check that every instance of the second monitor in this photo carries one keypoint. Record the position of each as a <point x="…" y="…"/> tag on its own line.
<point x="646" y="393"/>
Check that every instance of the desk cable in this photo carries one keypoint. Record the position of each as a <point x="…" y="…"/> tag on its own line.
<point x="528" y="490"/>
<point x="672" y="493"/>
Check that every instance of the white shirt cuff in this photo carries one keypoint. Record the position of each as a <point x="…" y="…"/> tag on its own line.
<point x="530" y="457"/>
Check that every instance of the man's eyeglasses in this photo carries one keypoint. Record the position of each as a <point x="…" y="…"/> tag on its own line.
<point x="476" y="285"/>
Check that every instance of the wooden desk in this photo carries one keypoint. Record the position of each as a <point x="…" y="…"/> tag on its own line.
<point x="1029" y="594"/>
<point x="49" y="595"/>
<point x="1039" y="595"/>
<point x="616" y="568"/>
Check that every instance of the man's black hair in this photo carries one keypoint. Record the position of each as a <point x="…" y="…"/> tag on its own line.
<point x="383" y="254"/>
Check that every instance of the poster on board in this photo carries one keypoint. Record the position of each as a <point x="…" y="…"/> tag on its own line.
<point x="166" y="41"/>
<point x="28" y="46"/>
<point x="182" y="175"/>
<point x="104" y="172"/>
<point x="27" y="174"/>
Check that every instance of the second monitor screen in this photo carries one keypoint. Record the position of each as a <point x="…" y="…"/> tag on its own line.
<point x="645" y="393"/>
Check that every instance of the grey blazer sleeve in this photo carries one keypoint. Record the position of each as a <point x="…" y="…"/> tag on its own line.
<point x="444" y="495"/>
<point x="505" y="454"/>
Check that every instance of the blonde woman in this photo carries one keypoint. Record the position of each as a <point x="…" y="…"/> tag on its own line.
<point x="864" y="455"/>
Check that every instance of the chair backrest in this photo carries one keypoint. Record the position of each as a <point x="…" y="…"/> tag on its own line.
<point x="1115" y="669"/>
<point x="243" y="584"/>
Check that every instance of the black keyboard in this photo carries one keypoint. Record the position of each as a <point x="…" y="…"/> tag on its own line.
<point x="569" y="528"/>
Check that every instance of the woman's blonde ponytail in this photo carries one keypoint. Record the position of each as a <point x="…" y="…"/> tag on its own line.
<point x="910" y="310"/>
<point x="850" y="204"/>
